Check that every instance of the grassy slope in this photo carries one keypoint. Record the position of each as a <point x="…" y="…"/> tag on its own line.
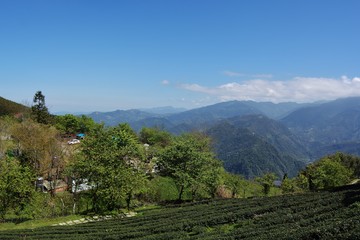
<point x="36" y="223"/>
<point x="321" y="215"/>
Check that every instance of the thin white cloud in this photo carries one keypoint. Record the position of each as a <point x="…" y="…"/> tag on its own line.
<point x="198" y="88"/>
<point x="165" y="82"/>
<point x="298" y="89"/>
<point x="233" y="74"/>
<point x="262" y="75"/>
<point x="238" y="74"/>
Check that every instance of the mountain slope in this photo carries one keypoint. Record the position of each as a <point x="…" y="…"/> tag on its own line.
<point x="210" y="114"/>
<point x="276" y="110"/>
<point x="8" y="107"/>
<point x="254" y="145"/>
<point x="329" y="127"/>
<point x="273" y="132"/>
<point x="158" y="122"/>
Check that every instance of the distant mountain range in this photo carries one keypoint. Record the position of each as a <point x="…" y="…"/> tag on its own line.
<point x="257" y="137"/>
<point x="195" y="119"/>
<point x="253" y="138"/>
<point x="163" y="110"/>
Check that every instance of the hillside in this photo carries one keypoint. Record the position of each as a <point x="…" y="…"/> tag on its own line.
<point x="254" y="145"/>
<point x="8" y="107"/>
<point x="277" y="110"/>
<point x="328" y="127"/>
<point x="317" y="215"/>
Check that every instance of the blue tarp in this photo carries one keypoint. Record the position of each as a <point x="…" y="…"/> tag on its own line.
<point x="80" y="135"/>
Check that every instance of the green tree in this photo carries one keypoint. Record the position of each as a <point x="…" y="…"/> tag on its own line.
<point x="16" y="185"/>
<point x="189" y="161"/>
<point x="267" y="182"/>
<point x="39" y="111"/>
<point x="160" y="189"/>
<point x="110" y="161"/>
<point x="155" y="137"/>
<point x="6" y="144"/>
<point x="349" y="161"/>
<point x="288" y="185"/>
<point x="234" y="183"/>
<point x="330" y="173"/>
<point x="70" y="124"/>
<point x="86" y="124"/>
<point x="67" y="123"/>
<point x="37" y="146"/>
<point x="301" y="181"/>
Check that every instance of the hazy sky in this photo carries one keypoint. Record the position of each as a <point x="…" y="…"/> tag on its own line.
<point x="105" y="55"/>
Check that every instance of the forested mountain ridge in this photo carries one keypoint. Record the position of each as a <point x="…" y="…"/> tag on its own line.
<point x="253" y="145"/>
<point x="328" y="127"/>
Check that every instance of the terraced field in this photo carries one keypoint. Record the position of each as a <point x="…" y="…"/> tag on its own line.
<point x="322" y="215"/>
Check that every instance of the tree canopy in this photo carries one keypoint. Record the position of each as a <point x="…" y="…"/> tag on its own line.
<point x="190" y="162"/>
<point x="110" y="162"/>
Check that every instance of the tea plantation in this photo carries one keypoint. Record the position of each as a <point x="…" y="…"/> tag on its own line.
<point x="331" y="214"/>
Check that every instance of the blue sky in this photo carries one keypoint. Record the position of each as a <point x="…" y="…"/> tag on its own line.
<point x="87" y="55"/>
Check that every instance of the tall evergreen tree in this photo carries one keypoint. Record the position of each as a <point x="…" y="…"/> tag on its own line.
<point x="39" y="111"/>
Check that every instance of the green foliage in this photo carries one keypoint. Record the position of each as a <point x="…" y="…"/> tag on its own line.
<point x="73" y="124"/>
<point x="39" y="111"/>
<point x="288" y="185"/>
<point x="67" y="123"/>
<point x="37" y="146"/>
<point x="190" y="162"/>
<point x="111" y="161"/>
<point x="350" y="161"/>
<point x="44" y="205"/>
<point x="155" y="137"/>
<point x="234" y="183"/>
<point x="160" y="189"/>
<point x="6" y="143"/>
<point x="267" y="182"/>
<point x="302" y="181"/>
<point x="15" y="185"/>
<point x="328" y="172"/>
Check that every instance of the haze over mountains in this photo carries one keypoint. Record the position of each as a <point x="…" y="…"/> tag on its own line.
<point x="253" y="138"/>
